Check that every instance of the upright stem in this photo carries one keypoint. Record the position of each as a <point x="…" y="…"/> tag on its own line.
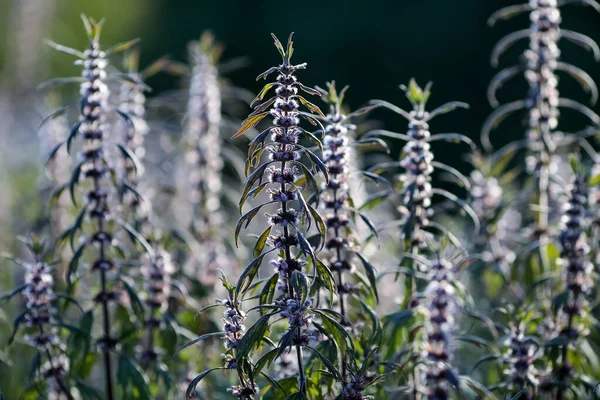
<point x="301" y="376"/>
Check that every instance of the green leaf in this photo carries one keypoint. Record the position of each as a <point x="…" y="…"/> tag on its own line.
<point x="265" y="361"/>
<point x="74" y="180"/>
<point x="119" y="47"/>
<point x="371" y="274"/>
<point x="248" y="275"/>
<point x="256" y="176"/>
<point x="373" y="144"/>
<point x="129" y="155"/>
<point x="252" y="337"/>
<point x="87" y="390"/>
<point x="326" y="276"/>
<point x="130" y="374"/>
<point x="267" y="293"/>
<point x="374" y="199"/>
<point x="328" y="364"/>
<point x="263" y="92"/>
<point x="312" y="107"/>
<point x="266" y="73"/>
<point x="10" y="294"/>
<point x="300" y="284"/>
<point x="74" y="264"/>
<point x="249" y="123"/>
<point x="247" y="218"/>
<point x="336" y="332"/>
<point x="192" y="386"/>
<point x="278" y="45"/>
<point x="199" y="339"/>
<point x="136" y="303"/>
<point x="319" y="221"/>
<point x="262" y="240"/>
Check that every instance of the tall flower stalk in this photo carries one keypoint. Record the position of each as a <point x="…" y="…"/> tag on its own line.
<point x="575" y="259"/>
<point x="92" y="176"/>
<point x="203" y="154"/>
<point x="418" y="164"/>
<point x="281" y="172"/>
<point x="542" y="102"/>
<point x="440" y="306"/>
<point x="157" y="268"/>
<point x="522" y="351"/>
<point x="341" y="242"/>
<point x="42" y="320"/>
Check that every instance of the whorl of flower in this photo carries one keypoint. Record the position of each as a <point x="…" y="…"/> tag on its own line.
<point x="132" y="131"/>
<point x="354" y="389"/>
<point x="281" y="172"/>
<point x="203" y="156"/>
<point x="521" y="354"/>
<point x="157" y="271"/>
<point x="417" y="162"/>
<point x="440" y="307"/>
<point x="486" y="201"/>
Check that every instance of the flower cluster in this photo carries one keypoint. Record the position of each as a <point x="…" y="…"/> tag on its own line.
<point x="520" y="356"/>
<point x="440" y="307"/>
<point x="233" y="326"/>
<point x="417" y="176"/>
<point x="417" y="162"/>
<point x="486" y="201"/>
<point x="42" y="321"/>
<point x="575" y="257"/>
<point x="132" y="104"/>
<point x="542" y="100"/>
<point x="354" y="389"/>
<point x="41" y="316"/>
<point x="285" y="231"/>
<point x="157" y="272"/>
<point x="203" y="137"/>
<point x="335" y="193"/>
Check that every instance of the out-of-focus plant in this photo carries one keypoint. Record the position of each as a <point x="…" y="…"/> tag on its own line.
<point x="44" y="324"/>
<point x="93" y="181"/>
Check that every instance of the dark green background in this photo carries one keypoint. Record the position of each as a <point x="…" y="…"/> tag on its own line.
<point x="371" y="45"/>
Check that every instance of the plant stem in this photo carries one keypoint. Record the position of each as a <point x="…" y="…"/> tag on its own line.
<point x="301" y="376"/>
